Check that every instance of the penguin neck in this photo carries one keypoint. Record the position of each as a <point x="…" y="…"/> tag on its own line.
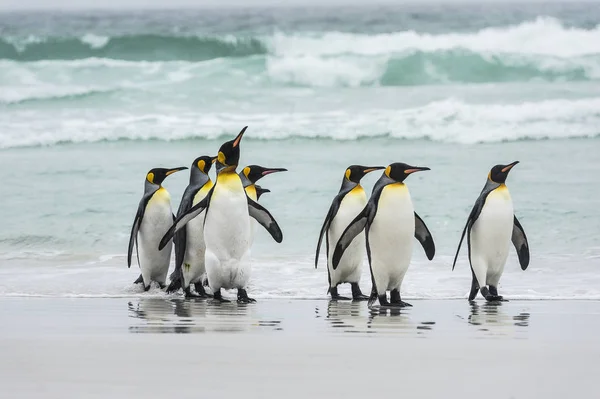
<point x="245" y="181"/>
<point x="382" y="182"/>
<point x="198" y="178"/>
<point x="348" y="185"/>
<point x="149" y="188"/>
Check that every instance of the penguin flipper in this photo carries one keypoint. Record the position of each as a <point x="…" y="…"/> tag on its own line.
<point x="180" y="237"/>
<point x="184" y="218"/>
<point x="354" y="228"/>
<point x="265" y="219"/>
<point x="519" y="240"/>
<point x="423" y="235"/>
<point x="333" y="209"/>
<point x="475" y="212"/>
<point x="137" y="221"/>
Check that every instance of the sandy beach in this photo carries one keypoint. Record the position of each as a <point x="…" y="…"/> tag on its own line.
<point x="154" y="347"/>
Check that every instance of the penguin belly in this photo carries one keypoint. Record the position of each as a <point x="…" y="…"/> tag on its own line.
<point x="391" y="237"/>
<point x="349" y="267"/>
<point x="193" y="261"/>
<point x="193" y="267"/>
<point x="491" y="236"/>
<point x="158" y="218"/>
<point x="227" y="237"/>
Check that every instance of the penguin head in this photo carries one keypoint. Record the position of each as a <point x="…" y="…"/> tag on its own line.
<point x="356" y="172"/>
<point x="203" y="164"/>
<point x="158" y="175"/>
<point x="499" y="173"/>
<point x="255" y="172"/>
<point x="399" y="171"/>
<point x="229" y="153"/>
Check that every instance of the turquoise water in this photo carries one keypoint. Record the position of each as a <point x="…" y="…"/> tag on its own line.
<point x="90" y="102"/>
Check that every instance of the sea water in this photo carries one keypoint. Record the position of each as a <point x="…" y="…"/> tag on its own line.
<point x="90" y="101"/>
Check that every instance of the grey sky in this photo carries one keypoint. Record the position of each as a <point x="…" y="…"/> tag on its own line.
<point x="120" y="4"/>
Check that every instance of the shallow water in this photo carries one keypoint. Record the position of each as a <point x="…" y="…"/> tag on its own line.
<point x="83" y="117"/>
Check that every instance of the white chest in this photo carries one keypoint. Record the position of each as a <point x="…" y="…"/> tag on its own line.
<point x="227" y="223"/>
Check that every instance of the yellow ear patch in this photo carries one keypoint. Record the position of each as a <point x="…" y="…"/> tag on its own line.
<point x="348" y="173"/>
<point x="201" y="165"/>
<point x="246" y="171"/>
<point x="150" y="177"/>
<point x="221" y="158"/>
<point x="388" y="170"/>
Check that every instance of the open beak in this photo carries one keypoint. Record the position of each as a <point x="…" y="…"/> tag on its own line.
<point x="273" y="170"/>
<point x="509" y="166"/>
<point x="237" y="140"/>
<point x="372" y="169"/>
<point x="415" y="169"/>
<point x="171" y="171"/>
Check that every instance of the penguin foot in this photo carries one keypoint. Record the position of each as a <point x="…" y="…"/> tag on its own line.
<point x="162" y="286"/>
<point x="495" y="298"/>
<point x="396" y="301"/>
<point x="217" y="298"/>
<point x="200" y="291"/>
<point x="360" y="297"/>
<point x="139" y="280"/>
<point x="243" y="296"/>
<point x="357" y="294"/>
<point x="190" y="294"/>
<point x="146" y="287"/>
<point x="337" y="297"/>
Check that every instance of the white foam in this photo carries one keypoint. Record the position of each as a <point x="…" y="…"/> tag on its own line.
<point x="542" y="36"/>
<point x="450" y="120"/>
<point x="294" y="277"/>
<point x="95" y="41"/>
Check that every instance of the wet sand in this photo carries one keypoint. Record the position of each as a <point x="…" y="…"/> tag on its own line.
<point x="154" y="347"/>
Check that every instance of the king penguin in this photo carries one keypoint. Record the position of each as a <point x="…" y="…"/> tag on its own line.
<point x="346" y="205"/>
<point x="227" y="225"/>
<point x="153" y="218"/>
<point x="490" y="228"/>
<point x="390" y="222"/>
<point x="189" y="241"/>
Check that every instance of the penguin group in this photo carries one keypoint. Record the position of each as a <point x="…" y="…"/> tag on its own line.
<point x="213" y="230"/>
<point x="384" y="227"/>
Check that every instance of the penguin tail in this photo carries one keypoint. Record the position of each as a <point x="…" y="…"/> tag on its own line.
<point x="474" y="287"/>
<point x="139" y="280"/>
<point x="372" y="298"/>
<point x="175" y="284"/>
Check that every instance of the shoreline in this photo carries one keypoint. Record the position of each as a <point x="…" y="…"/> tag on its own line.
<point x="155" y="347"/>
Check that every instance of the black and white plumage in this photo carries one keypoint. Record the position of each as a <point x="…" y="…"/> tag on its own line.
<point x="390" y="223"/>
<point x="346" y="205"/>
<point x="152" y="219"/>
<point x="490" y="228"/>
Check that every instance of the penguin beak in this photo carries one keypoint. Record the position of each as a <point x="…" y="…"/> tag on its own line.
<point x="171" y="171"/>
<point x="508" y="167"/>
<point x="273" y="170"/>
<point x="237" y="140"/>
<point x="372" y="169"/>
<point x="415" y="169"/>
<point x="214" y="159"/>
